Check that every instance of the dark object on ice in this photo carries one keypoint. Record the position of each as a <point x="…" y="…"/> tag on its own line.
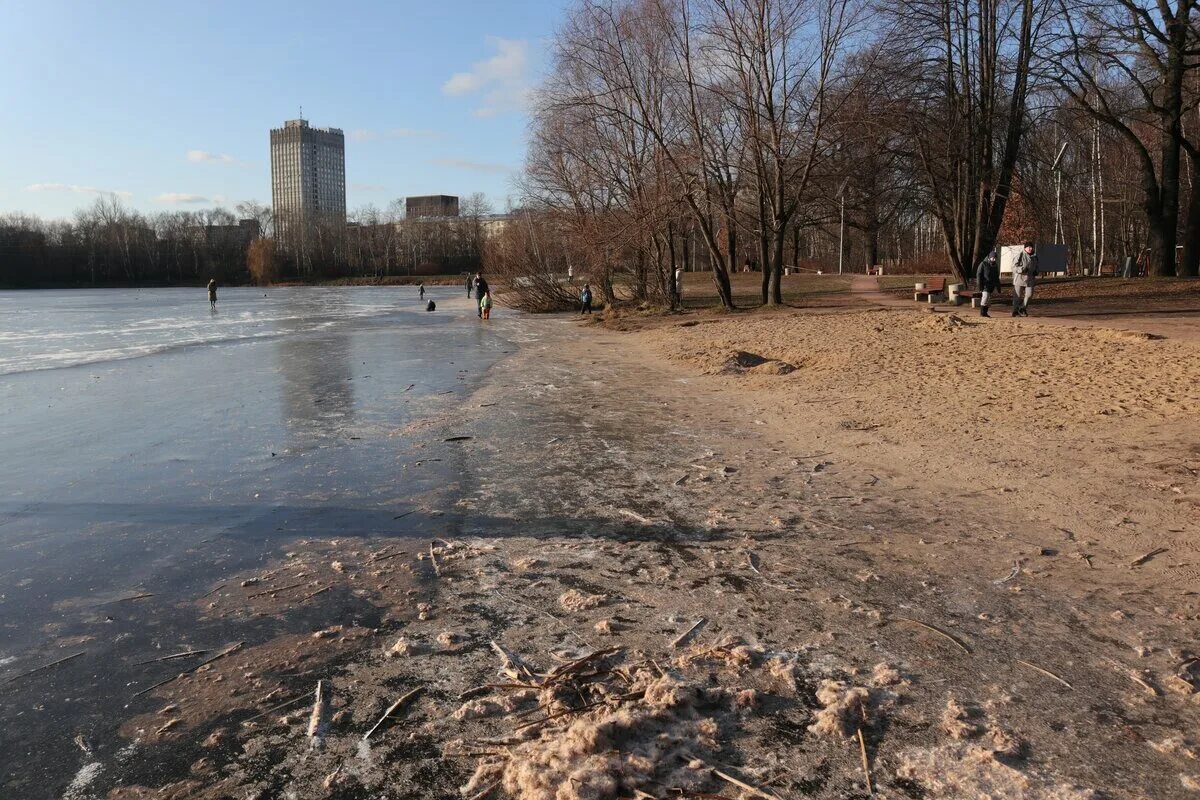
<point x="457" y="439"/>
<point x="431" y="306"/>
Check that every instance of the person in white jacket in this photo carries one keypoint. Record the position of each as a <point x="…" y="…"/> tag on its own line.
<point x="1024" y="273"/>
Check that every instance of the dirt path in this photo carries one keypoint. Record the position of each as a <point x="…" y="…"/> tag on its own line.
<point x="751" y="587"/>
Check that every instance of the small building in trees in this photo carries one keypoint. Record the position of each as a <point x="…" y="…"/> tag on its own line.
<point x="431" y="205"/>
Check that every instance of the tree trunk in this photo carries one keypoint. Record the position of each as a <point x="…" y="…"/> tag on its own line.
<point x="779" y="238"/>
<point x="1189" y="267"/>
<point x="764" y="264"/>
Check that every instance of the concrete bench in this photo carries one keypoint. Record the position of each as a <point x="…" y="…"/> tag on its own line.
<point x="975" y="296"/>
<point x="934" y="287"/>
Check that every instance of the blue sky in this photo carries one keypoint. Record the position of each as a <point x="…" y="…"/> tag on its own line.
<point x="170" y="103"/>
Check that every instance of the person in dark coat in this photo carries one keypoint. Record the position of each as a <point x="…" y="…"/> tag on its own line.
<point x="470" y="285"/>
<point x="987" y="279"/>
<point x="481" y="288"/>
<point x="585" y="299"/>
<point x="212" y="293"/>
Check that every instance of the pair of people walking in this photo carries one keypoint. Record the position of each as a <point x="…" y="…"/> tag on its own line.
<point x="482" y="291"/>
<point x="987" y="278"/>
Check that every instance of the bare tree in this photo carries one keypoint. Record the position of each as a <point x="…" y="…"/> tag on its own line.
<point x="969" y="75"/>
<point x="1126" y="63"/>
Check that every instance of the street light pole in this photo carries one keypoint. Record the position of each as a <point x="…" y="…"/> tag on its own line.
<point x="842" y="226"/>
<point x="1056" y="168"/>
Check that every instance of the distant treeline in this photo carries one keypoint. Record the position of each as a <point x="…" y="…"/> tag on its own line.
<point x="108" y="244"/>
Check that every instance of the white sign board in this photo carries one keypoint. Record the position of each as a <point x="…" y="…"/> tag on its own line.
<point x="1052" y="258"/>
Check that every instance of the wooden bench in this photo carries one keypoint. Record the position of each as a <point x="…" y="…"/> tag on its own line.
<point x="875" y="270"/>
<point x="932" y="287"/>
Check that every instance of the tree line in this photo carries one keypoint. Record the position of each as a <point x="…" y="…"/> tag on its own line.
<point x="727" y="133"/>
<point x="109" y="244"/>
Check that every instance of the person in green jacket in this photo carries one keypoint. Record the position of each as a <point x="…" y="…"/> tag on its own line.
<point x="485" y="305"/>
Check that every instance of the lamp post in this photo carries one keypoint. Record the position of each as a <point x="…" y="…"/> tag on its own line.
<point x="1056" y="168"/>
<point x="842" y="224"/>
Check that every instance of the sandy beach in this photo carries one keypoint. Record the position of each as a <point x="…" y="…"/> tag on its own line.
<point x="848" y="552"/>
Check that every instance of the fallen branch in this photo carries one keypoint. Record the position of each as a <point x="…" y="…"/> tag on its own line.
<point x="279" y="707"/>
<point x="683" y="636"/>
<point x="1144" y="684"/>
<point x="211" y="592"/>
<point x="386" y="556"/>
<point x="141" y="596"/>
<point x="404" y="698"/>
<point x="1016" y="570"/>
<point x="433" y="559"/>
<point x="314" y="594"/>
<point x="1133" y="676"/>
<point x="46" y="666"/>
<point x="862" y="748"/>
<point x="958" y="642"/>
<point x="754" y="790"/>
<point x="274" y="591"/>
<point x="318" y="721"/>
<point x="567" y="713"/>
<point x="573" y="666"/>
<point x="1137" y="562"/>
<point x="512" y="665"/>
<point x="171" y="657"/>
<point x="207" y="661"/>
<point x="1046" y="672"/>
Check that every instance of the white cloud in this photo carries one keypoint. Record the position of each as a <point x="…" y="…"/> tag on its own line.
<point x="75" y="189"/>
<point x="180" y="198"/>
<point x="205" y="157"/>
<point x="367" y="187"/>
<point x="472" y="166"/>
<point x="369" y="135"/>
<point x="502" y="80"/>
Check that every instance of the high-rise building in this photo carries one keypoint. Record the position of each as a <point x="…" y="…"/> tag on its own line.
<point x="308" y="177"/>
<point x="431" y="205"/>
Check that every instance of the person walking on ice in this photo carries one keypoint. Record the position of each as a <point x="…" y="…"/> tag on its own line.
<point x="212" y="294"/>
<point x="481" y="288"/>
<point x="485" y="306"/>
<point x="421" y="292"/>
<point x="987" y="280"/>
<point x="1024" y="272"/>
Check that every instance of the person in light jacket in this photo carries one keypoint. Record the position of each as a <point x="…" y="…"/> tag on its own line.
<point x="1024" y="274"/>
<point x="987" y="280"/>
